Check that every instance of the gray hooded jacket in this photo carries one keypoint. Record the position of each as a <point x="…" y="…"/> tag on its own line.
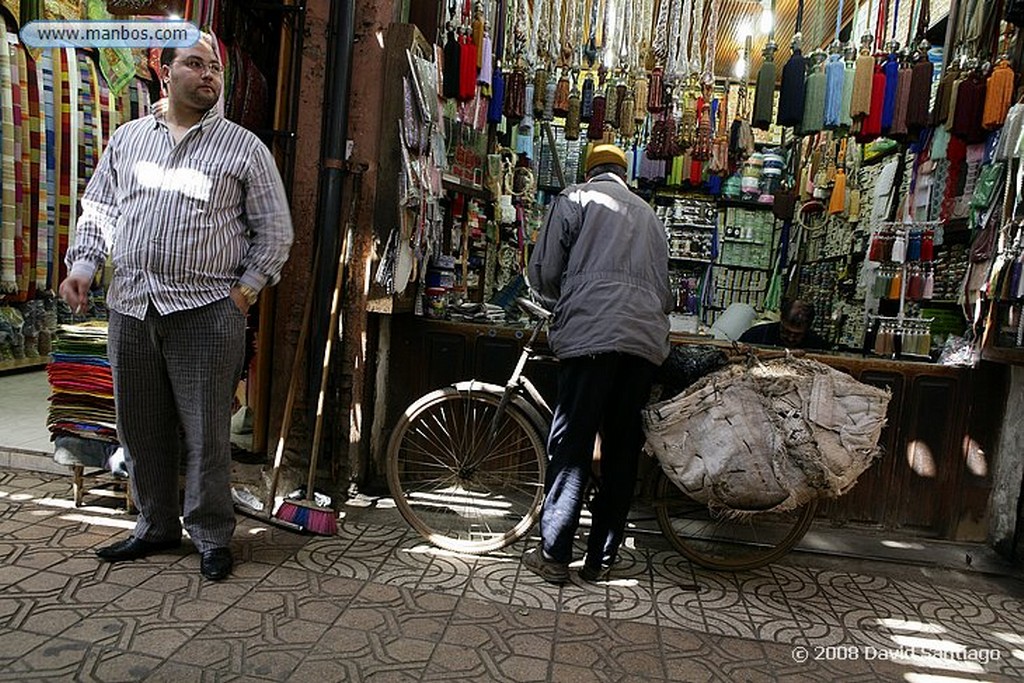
<point x="601" y="262"/>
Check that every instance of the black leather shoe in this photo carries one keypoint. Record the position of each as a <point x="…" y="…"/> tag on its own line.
<point x="135" y="548"/>
<point x="216" y="564"/>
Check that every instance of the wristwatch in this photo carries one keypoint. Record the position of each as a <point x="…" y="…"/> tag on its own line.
<point x="249" y="293"/>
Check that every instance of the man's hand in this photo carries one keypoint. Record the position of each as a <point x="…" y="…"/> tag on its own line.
<point x="75" y="292"/>
<point x="240" y="300"/>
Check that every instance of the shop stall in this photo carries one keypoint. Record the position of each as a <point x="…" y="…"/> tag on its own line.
<point x="864" y="157"/>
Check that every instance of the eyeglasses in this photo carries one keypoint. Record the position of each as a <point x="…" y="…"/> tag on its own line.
<point x="199" y="66"/>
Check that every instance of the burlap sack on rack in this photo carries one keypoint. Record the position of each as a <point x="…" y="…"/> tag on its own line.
<point x="769" y="436"/>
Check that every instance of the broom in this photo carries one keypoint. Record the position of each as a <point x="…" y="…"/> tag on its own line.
<point x="266" y="513"/>
<point x="306" y="512"/>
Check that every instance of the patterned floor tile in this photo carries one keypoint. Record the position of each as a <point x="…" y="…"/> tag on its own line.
<point x="621" y="646"/>
<point x="245" y="643"/>
<point x="398" y="612"/>
<point x="510" y="630"/>
<point x="446" y="572"/>
<point x="678" y="607"/>
<point x="296" y="594"/>
<point x="49" y="603"/>
<point x="368" y="655"/>
<point x="461" y="663"/>
<point x="16" y="644"/>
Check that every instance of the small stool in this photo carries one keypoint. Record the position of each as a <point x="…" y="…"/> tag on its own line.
<point x="104" y="484"/>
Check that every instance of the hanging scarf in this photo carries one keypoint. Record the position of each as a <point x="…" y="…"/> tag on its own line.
<point x="792" y="88"/>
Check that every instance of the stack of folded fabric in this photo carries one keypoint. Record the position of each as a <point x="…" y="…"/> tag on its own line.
<point x="81" y="385"/>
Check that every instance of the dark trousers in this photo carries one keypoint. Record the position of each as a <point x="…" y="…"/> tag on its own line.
<point x="602" y="394"/>
<point x="175" y="376"/>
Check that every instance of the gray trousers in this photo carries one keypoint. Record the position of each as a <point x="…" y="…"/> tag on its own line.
<point x="174" y="379"/>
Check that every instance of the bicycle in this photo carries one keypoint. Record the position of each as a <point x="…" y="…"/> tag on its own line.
<point x="466" y="466"/>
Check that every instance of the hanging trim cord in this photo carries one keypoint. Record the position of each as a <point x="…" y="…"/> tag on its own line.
<point x="895" y="18"/>
<point x="799" y="18"/>
<point x="839" y="20"/>
<point x="880" y="25"/>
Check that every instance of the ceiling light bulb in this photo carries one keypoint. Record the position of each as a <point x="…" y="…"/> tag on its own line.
<point x="767" y="22"/>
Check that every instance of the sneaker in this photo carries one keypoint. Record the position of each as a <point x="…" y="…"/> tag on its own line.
<point x="549" y="570"/>
<point x="595" y="574"/>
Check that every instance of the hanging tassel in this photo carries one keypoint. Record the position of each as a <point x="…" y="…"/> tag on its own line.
<point x="611" y="106"/>
<point x="540" y="89"/>
<point x="968" y="111"/>
<point x="899" y="120"/>
<point x="524" y="137"/>
<point x="560" y="107"/>
<point x="452" y="70"/>
<point x="486" y="75"/>
<point x="834" y="75"/>
<point x="891" y="70"/>
<point x="595" y="129"/>
<point x="845" y="118"/>
<point x="940" y="112"/>
<point x="497" y="102"/>
<point x="640" y="99"/>
<point x="655" y="98"/>
<point x="478" y="39"/>
<point x="764" y="92"/>
<point x="837" y="202"/>
<point x="872" y="125"/>
<point x="998" y="96"/>
<point x="515" y="96"/>
<point x="627" y="121"/>
<point x="920" y="95"/>
<point x="814" y="102"/>
<point x="587" y="100"/>
<point x="793" y="89"/>
<point x="572" y="116"/>
<point x="863" y="81"/>
<point x="549" y="101"/>
<point x="620" y="109"/>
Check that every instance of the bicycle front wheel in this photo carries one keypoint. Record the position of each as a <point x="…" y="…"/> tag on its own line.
<point x="715" y="540"/>
<point x="461" y="485"/>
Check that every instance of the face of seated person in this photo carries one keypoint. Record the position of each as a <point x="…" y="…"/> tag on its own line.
<point x="790" y="334"/>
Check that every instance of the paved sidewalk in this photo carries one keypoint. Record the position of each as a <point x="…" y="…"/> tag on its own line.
<point x="375" y="603"/>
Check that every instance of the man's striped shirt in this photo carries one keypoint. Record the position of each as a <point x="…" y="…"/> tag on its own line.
<point x="184" y="222"/>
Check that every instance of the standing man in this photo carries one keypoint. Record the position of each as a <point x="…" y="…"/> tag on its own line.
<point x="602" y="262"/>
<point x="195" y="215"/>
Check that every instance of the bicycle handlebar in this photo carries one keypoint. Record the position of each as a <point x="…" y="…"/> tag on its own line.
<point x="534" y="309"/>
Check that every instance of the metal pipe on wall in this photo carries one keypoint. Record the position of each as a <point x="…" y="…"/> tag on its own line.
<point x="341" y="39"/>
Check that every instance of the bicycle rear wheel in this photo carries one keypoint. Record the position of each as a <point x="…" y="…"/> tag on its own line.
<point x="461" y="487"/>
<point x="717" y="541"/>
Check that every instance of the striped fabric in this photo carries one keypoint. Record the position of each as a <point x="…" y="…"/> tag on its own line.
<point x="46" y="66"/>
<point x="9" y="210"/>
<point x="62" y="124"/>
<point x="17" y="92"/>
<point x="189" y="220"/>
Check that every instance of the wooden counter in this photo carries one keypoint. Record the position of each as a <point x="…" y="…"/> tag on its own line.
<point x="935" y="475"/>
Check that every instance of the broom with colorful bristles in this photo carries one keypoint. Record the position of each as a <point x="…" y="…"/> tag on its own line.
<point x="306" y="511"/>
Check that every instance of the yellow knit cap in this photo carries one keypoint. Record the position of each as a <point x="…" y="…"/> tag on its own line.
<point x="605" y="154"/>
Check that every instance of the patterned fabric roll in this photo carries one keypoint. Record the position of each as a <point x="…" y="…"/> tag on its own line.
<point x="46" y="67"/>
<point x="22" y="232"/>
